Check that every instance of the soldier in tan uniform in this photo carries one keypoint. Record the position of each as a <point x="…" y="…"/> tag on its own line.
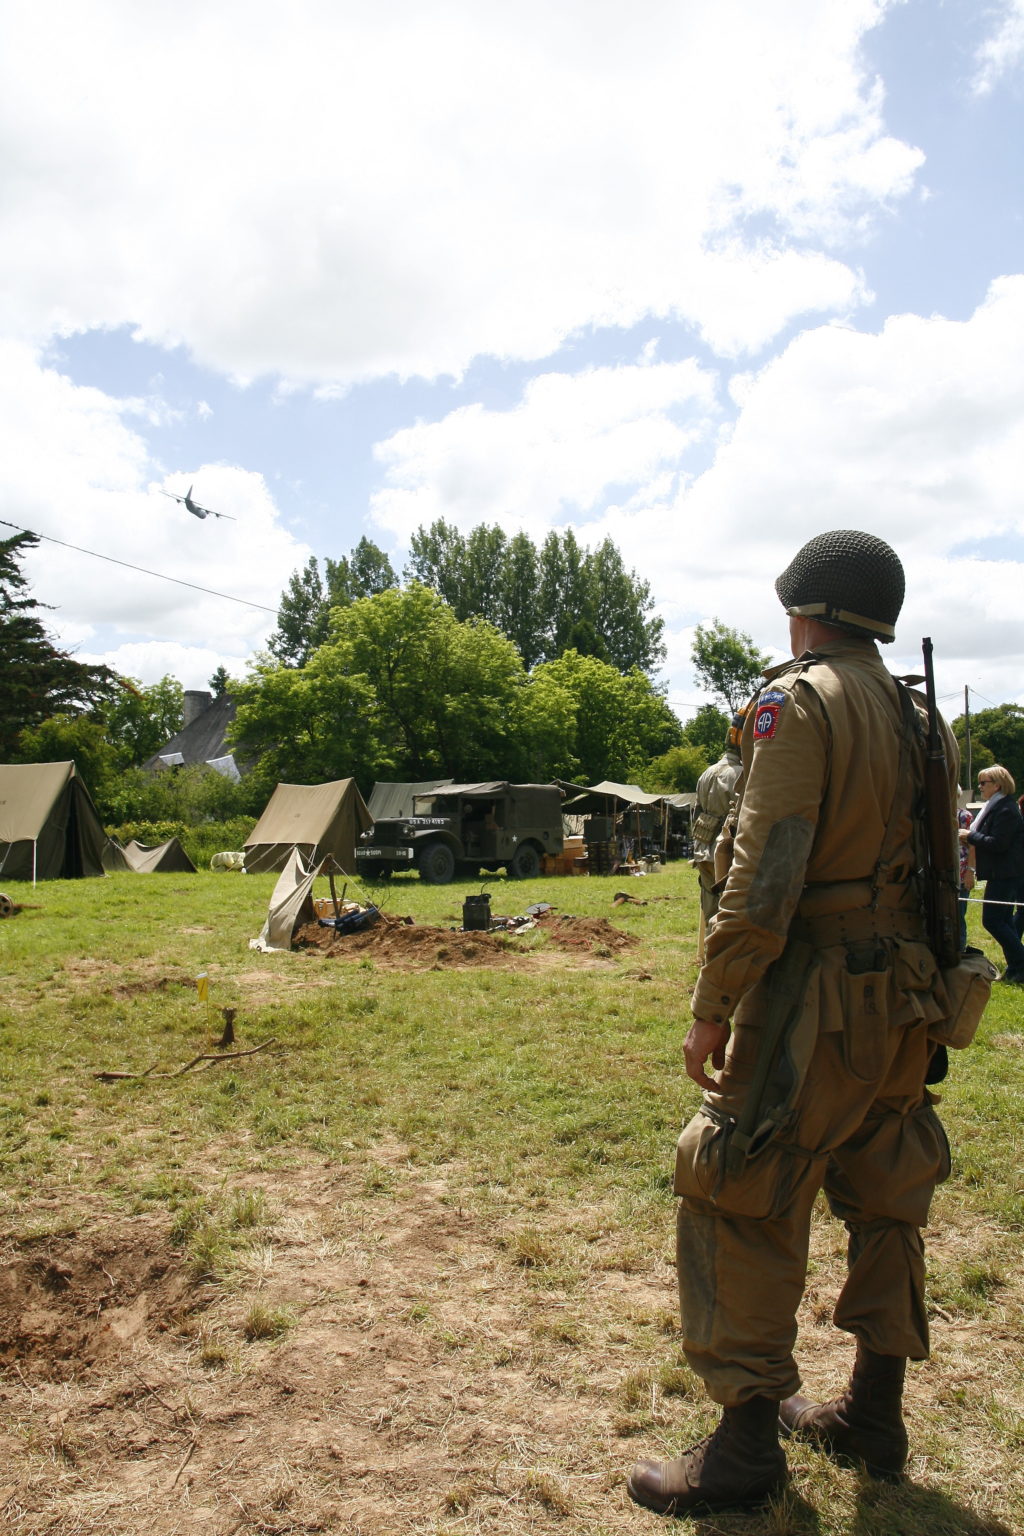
<point x="819" y="926"/>
<point x="715" y="789"/>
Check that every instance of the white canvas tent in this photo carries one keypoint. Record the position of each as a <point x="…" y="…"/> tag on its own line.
<point x="49" y="828"/>
<point x="318" y="819"/>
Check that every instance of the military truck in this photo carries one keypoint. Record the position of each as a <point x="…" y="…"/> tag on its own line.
<point x="463" y="828"/>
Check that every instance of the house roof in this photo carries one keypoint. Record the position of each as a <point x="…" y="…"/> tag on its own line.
<point x="202" y="741"/>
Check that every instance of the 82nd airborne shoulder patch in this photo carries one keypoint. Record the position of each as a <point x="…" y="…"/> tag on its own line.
<point x="766" y="714"/>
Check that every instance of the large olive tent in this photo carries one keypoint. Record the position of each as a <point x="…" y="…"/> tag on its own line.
<point x="318" y="819"/>
<point x="49" y="829"/>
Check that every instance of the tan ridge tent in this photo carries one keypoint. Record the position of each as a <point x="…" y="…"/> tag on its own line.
<point x="49" y="829"/>
<point x="318" y="819"/>
<point x="163" y="858"/>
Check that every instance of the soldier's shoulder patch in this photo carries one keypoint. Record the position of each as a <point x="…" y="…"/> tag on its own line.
<point x="766" y="713"/>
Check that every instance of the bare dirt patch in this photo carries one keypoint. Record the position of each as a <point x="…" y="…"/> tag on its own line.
<point x="67" y="1304"/>
<point x="431" y="1371"/>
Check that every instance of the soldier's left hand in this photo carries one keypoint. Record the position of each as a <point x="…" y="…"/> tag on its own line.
<point x="703" y="1040"/>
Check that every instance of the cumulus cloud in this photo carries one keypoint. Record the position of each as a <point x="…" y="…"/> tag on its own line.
<point x="1002" y="50"/>
<point x="333" y="192"/>
<point x="553" y="457"/>
<point x="915" y="433"/>
<point x="75" y="468"/>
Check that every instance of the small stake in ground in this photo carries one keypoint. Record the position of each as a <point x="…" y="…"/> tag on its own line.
<point x="228" y="1037"/>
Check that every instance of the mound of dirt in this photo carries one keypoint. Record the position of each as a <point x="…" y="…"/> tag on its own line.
<point x="584" y="933"/>
<point x="68" y="1303"/>
<point x="403" y="944"/>
<point x="394" y="941"/>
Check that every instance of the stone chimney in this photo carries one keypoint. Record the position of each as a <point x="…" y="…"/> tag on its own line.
<point x="196" y="700"/>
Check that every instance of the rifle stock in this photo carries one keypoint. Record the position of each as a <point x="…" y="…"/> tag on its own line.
<point x="942" y="864"/>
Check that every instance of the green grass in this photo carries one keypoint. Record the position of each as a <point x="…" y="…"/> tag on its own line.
<point x="545" y="1101"/>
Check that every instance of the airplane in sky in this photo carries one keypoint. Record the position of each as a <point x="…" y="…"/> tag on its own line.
<point x="194" y="507"/>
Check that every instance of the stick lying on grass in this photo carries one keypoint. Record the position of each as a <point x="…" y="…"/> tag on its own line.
<point x="210" y="1058"/>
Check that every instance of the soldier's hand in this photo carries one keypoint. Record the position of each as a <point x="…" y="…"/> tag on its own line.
<point x="703" y="1040"/>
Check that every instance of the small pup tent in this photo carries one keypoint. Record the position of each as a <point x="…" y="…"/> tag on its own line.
<point x="163" y="858"/>
<point x="49" y="829"/>
<point x="318" y="819"/>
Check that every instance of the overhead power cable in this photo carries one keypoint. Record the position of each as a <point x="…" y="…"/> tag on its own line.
<point x="160" y="575"/>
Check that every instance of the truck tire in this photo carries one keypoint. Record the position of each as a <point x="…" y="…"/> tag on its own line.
<point x="436" y="864"/>
<point x="524" y="863"/>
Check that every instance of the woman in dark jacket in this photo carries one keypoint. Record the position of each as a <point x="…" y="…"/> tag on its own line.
<point x="997" y="835"/>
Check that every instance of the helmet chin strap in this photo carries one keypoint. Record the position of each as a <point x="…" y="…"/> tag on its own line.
<point x="844" y="619"/>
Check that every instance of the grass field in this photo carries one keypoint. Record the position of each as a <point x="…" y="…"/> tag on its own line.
<point x="409" y="1268"/>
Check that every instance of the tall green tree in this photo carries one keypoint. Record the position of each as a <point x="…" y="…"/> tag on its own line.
<point x="676" y="771"/>
<point x="37" y="678"/>
<point x="997" y="736"/>
<point x="302" y="617"/>
<point x="558" y="598"/>
<point x="370" y="570"/>
<point x="632" y="635"/>
<point x="727" y="663"/>
<point x="444" y="691"/>
<point x="707" y="730"/>
<point x="519" y="611"/>
<point x="306" y="725"/>
<point x="622" y="721"/>
<point x="140" y="719"/>
<point x="400" y="689"/>
<point x="437" y="559"/>
<point x="77" y="739"/>
<point x="219" y="683"/>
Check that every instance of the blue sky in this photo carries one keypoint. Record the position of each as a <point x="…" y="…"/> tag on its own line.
<point x="708" y="278"/>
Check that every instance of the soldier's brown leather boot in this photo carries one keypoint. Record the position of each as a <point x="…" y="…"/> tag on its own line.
<point x="865" y="1423"/>
<point x="742" y="1462"/>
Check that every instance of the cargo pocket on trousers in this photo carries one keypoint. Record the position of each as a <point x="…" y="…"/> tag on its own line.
<point x="762" y="1187"/>
<point x="866" y="1045"/>
<point x="929" y="1121"/>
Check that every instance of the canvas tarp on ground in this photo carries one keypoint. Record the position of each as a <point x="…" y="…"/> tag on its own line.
<point x="49" y="829"/>
<point x="317" y="818"/>
<point x="390" y="800"/>
<point x="165" y="858"/>
<point x="291" y="904"/>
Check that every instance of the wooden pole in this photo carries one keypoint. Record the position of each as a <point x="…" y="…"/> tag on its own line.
<point x="967" y="740"/>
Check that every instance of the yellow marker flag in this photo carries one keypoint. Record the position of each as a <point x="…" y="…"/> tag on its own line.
<point x="203" y="988"/>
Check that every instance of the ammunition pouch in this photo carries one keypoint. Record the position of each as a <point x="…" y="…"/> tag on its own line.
<point x="968" y="987"/>
<point x="706" y="828"/>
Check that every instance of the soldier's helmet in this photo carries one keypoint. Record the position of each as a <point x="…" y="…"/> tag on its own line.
<point x="846" y="578"/>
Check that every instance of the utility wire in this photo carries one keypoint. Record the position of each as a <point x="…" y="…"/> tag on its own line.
<point x="129" y="567"/>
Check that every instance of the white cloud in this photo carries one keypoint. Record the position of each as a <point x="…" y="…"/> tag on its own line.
<point x="75" y="469"/>
<point x="555" y="456"/>
<point x="1002" y="50"/>
<point x="150" y="660"/>
<point x="915" y="433"/>
<point x="333" y="191"/>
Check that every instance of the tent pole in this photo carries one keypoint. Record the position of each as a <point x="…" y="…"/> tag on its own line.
<point x="35" y="845"/>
